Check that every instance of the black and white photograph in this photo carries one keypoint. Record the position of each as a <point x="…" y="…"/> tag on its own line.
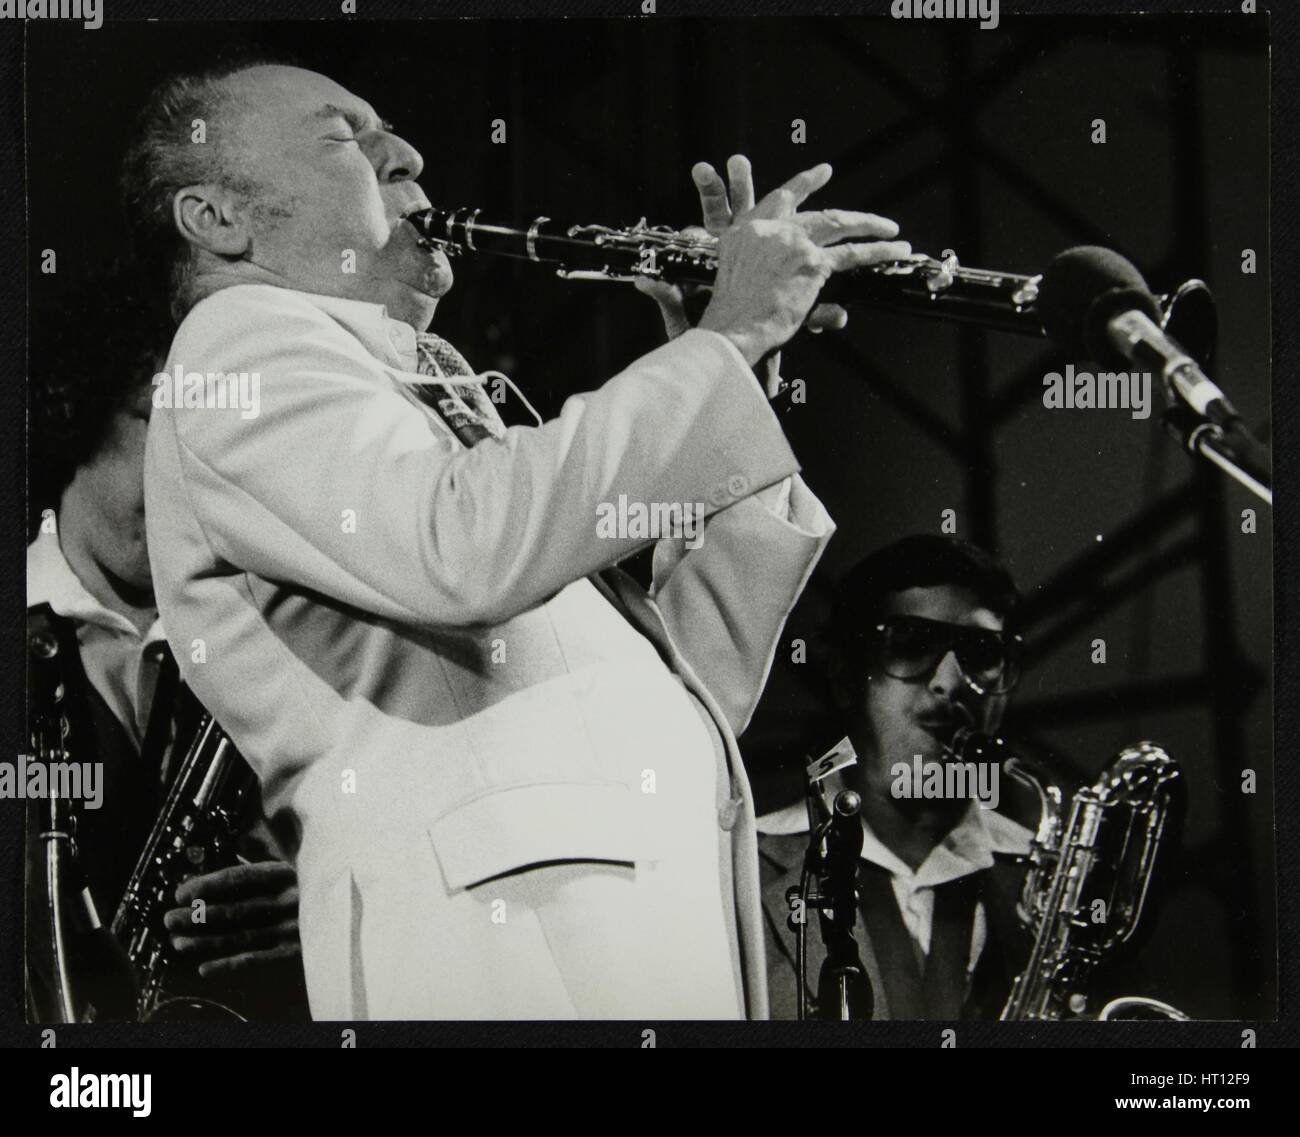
<point x="647" y="518"/>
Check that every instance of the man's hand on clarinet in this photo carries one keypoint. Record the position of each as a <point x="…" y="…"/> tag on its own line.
<point x="773" y="259"/>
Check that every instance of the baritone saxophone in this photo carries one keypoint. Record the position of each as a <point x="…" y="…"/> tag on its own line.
<point x="1090" y="869"/>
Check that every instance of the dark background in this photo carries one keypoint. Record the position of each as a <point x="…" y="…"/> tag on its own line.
<point x="977" y="141"/>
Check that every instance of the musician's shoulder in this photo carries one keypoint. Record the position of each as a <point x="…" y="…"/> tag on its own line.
<point x="251" y="301"/>
<point x="789" y="821"/>
<point x="1005" y="834"/>
<point x="238" y="327"/>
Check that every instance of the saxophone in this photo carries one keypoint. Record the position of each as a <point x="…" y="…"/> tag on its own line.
<point x="1089" y="872"/>
<point x="74" y="969"/>
<point x="196" y="832"/>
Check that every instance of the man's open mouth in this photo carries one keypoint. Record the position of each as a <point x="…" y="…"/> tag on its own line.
<point x="944" y="728"/>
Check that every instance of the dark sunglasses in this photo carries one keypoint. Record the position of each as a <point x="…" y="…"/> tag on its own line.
<point x="911" y="647"/>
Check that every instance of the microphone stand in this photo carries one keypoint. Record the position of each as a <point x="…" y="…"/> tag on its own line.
<point x="843" y="988"/>
<point x="1229" y="446"/>
<point x="1215" y="432"/>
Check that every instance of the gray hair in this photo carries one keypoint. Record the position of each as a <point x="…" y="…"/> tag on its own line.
<point x="163" y="158"/>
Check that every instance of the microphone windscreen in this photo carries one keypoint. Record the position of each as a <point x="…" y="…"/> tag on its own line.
<point x="1082" y="289"/>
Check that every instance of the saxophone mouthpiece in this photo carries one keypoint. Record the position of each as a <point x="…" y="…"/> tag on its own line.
<point x="964" y="739"/>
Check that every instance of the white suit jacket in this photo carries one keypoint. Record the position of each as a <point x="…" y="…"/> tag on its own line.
<point x="401" y="636"/>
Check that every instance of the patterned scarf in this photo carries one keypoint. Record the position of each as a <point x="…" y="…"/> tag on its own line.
<point x="464" y="407"/>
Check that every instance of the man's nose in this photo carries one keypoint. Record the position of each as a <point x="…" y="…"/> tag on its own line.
<point x="948" y="678"/>
<point x="395" y="159"/>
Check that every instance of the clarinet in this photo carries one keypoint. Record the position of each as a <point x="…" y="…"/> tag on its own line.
<point x="939" y="287"/>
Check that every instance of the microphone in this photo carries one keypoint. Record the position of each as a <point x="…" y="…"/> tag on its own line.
<point x="843" y="988"/>
<point x="844" y="840"/>
<point x="1095" y="304"/>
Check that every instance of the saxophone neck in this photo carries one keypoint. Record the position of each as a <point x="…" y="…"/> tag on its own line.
<point x="969" y="745"/>
<point x="1050" y="800"/>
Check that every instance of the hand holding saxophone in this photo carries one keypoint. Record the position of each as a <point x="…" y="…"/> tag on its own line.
<point x="773" y="260"/>
<point x="251" y="918"/>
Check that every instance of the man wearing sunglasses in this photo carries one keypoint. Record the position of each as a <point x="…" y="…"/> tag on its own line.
<point x="921" y="644"/>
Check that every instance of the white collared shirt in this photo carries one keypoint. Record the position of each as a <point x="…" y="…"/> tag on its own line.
<point x="119" y="662"/>
<point x="967" y="849"/>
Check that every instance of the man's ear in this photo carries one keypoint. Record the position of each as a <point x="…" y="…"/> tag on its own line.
<point x="210" y="217"/>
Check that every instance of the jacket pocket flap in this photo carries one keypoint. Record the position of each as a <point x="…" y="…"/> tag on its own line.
<point x="534" y="824"/>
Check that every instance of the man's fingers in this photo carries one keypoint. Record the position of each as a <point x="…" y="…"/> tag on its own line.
<point x="281" y="954"/>
<point x="827" y="317"/>
<point x="657" y="289"/>
<point x="740" y="177"/>
<point x="839" y="258"/>
<point x="252" y="912"/>
<point x="239" y="880"/>
<point x="784" y="200"/>
<point x="828" y="226"/>
<point x="232" y="943"/>
<point x="713" y="197"/>
<point x="669" y="299"/>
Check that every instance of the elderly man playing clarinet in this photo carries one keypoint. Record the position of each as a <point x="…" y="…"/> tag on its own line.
<point x="508" y="773"/>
